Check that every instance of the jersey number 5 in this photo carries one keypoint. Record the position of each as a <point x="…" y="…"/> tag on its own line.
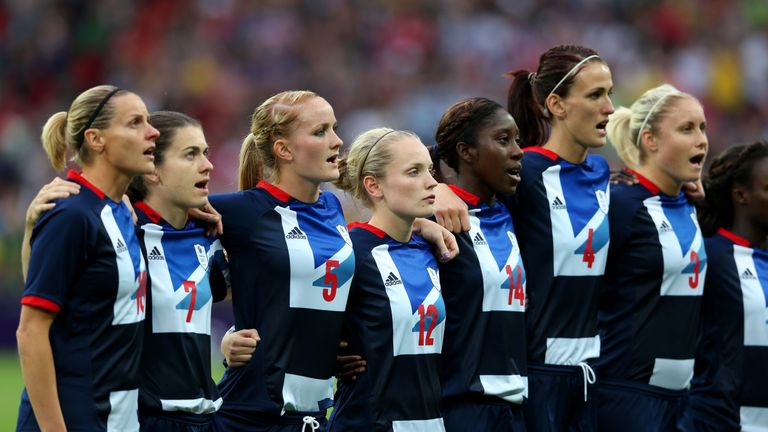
<point x="330" y="279"/>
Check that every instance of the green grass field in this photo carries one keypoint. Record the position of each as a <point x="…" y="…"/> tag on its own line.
<point x="11" y="385"/>
<point x="10" y="390"/>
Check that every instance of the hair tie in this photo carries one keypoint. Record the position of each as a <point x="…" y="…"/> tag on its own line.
<point x="531" y="77"/>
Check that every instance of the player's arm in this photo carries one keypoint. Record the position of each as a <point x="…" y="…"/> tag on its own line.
<point x="450" y="211"/>
<point x="37" y="366"/>
<point x="43" y="202"/>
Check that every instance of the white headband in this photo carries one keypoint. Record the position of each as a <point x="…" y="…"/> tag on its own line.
<point x="645" y="120"/>
<point x="572" y="71"/>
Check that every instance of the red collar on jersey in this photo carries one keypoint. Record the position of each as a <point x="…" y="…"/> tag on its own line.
<point x="466" y="196"/>
<point x="149" y="211"/>
<point x="366" y="226"/>
<point x="741" y="241"/>
<point x="541" y="150"/>
<point x="274" y="191"/>
<point x="645" y="182"/>
<point x="76" y="176"/>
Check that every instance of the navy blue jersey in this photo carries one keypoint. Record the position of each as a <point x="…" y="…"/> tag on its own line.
<point x="396" y="319"/>
<point x="560" y="211"/>
<point x="86" y="266"/>
<point x="186" y="273"/>
<point x="651" y="306"/>
<point x="484" y="292"/>
<point x="730" y="386"/>
<point x="291" y="266"/>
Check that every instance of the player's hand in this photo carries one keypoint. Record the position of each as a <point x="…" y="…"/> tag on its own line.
<point x="623" y="177"/>
<point x="348" y="367"/>
<point x="694" y="191"/>
<point x="450" y="211"/>
<point x="443" y="240"/>
<point x="43" y="201"/>
<point x="238" y="347"/>
<point x="208" y="215"/>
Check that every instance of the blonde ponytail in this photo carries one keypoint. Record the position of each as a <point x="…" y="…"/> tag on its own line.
<point x="54" y="139"/>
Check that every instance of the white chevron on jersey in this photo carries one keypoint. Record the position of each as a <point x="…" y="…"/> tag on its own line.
<point x="303" y="294"/>
<point x="431" y="425"/>
<point x="675" y="282"/>
<point x="166" y="317"/>
<point x="129" y="303"/>
<point x="755" y="311"/>
<point x="565" y="260"/>
<point x="405" y="341"/>
<point x="495" y="298"/>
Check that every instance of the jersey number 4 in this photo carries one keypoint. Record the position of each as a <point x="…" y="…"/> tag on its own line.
<point x="589" y="253"/>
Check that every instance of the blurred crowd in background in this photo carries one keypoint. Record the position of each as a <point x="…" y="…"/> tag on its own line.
<point x="398" y="63"/>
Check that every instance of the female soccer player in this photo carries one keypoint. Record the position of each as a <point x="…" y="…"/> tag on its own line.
<point x="185" y="275"/>
<point x="560" y="216"/>
<point x="728" y="391"/>
<point x="80" y="332"/>
<point x="396" y="314"/>
<point x="484" y="356"/>
<point x="291" y="264"/>
<point x="650" y="310"/>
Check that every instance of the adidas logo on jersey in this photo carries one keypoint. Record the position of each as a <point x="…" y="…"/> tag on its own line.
<point x="479" y="240"/>
<point x="120" y="246"/>
<point x="296" y="234"/>
<point x="155" y="255"/>
<point x="557" y="204"/>
<point x="747" y="274"/>
<point x="664" y="227"/>
<point x="392" y="280"/>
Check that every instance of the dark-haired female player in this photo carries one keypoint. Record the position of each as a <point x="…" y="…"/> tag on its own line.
<point x="729" y="390"/>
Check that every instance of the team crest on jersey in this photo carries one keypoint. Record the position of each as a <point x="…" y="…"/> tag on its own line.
<point x="434" y="277"/>
<point x="344" y="234"/>
<point x="202" y="256"/>
<point x="602" y="200"/>
<point x="513" y="241"/>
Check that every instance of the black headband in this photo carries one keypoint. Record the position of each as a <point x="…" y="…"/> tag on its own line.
<point x="365" y="159"/>
<point x="81" y="136"/>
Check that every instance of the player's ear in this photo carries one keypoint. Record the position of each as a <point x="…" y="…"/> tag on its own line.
<point x="373" y="187"/>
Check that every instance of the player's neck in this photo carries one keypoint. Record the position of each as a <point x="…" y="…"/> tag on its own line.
<point x="561" y="143"/>
<point x="747" y="230"/>
<point x="670" y="186"/>
<point x="397" y="227"/>
<point x="172" y="214"/>
<point x="298" y="187"/>
<point x="111" y="182"/>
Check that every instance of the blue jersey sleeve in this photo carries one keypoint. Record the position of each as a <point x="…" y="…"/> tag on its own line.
<point x="59" y="243"/>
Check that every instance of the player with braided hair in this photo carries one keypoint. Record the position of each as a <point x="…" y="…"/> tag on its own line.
<point x="484" y="362"/>
<point x="728" y="391"/>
